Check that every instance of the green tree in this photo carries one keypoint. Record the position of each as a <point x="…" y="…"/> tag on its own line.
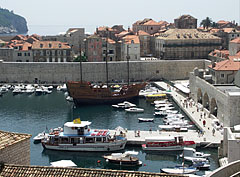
<point x="77" y="59"/>
<point x="206" y="23"/>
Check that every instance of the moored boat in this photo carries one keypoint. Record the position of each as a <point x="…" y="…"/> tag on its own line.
<point x="134" y="110"/>
<point x="167" y="144"/>
<point x="86" y="93"/>
<point x="179" y="170"/>
<point x="146" y="119"/>
<point x="40" y="137"/>
<point x="127" y="158"/>
<point x="77" y="136"/>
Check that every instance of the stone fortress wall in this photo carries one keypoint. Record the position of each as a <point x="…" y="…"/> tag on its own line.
<point x="96" y="71"/>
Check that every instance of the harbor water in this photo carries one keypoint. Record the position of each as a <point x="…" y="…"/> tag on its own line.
<point x="33" y="114"/>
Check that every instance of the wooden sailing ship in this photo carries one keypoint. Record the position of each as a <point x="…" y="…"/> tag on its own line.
<point x="84" y="92"/>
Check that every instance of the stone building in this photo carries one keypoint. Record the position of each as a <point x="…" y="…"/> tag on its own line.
<point x="234" y="46"/>
<point x="224" y="72"/>
<point x="145" y="43"/>
<point x="221" y="101"/>
<point x="226" y="34"/>
<point x="6" y="54"/>
<point x="15" y="148"/>
<point x="51" y="51"/>
<point x="107" y="32"/>
<point x="185" y="44"/>
<point x="131" y="47"/>
<point x="73" y="36"/>
<point x="96" y="47"/>
<point x="148" y="25"/>
<point x="185" y="22"/>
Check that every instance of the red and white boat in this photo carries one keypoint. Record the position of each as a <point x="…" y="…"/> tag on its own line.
<point x="167" y="144"/>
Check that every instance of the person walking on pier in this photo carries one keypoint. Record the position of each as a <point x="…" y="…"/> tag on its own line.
<point x="213" y="131"/>
<point x="204" y="123"/>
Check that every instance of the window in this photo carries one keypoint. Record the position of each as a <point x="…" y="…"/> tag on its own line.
<point x="25" y="54"/>
<point x="19" y="54"/>
<point x="111" y="51"/>
<point x="29" y="54"/>
<point x="222" y="75"/>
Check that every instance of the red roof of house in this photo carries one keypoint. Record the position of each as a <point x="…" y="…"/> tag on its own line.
<point x="236" y="40"/>
<point x="50" y="45"/>
<point x="131" y="38"/>
<point x="227" y="65"/>
<point x="142" y="33"/>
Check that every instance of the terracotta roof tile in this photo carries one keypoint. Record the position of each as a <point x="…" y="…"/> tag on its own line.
<point x="236" y="40"/>
<point x="27" y="171"/>
<point x="131" y="39"/>
<point x="142" y="33"/>
<point x="227" y="65"/>
<point x="10" y="138"/>
<point x="223" y="22"/>
<point x="50" y="45"/>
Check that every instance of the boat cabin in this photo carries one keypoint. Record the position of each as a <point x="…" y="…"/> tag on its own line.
<point x="164" y="141"/>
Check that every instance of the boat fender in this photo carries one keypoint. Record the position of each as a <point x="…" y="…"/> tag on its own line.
<point x="98" y="161"/>
<point x="108" y="149"/>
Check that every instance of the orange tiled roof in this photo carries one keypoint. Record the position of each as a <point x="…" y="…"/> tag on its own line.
<point x="142" y="33"/>
<point x="236" y="40"/>
<point x="104" y="28"/>
<point x="50" y="45"/>
<point x="129" y="39"/>
<point x="10" y="138"/>
<point x="110" y="41"/>
<point x="223" y="22"/>
<point x="228" y="30"/>
<point x="151" y="22"/>
<point x="227" y="65"/>
<point x="27" y="171"/>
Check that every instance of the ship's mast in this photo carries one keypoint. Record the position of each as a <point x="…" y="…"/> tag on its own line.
<point x="80" y="49"/>
<point x="128" y="57"/>
<point x="106" y="56"/>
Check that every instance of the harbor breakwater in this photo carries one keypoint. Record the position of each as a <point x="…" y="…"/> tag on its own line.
<point x="26" y="72"/>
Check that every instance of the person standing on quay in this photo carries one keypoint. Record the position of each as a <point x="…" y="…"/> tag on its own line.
<point x="204" y="123"/>
<point x="213" y="131"/>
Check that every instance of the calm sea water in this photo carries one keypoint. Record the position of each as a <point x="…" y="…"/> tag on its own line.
<point x="32" y="114"/>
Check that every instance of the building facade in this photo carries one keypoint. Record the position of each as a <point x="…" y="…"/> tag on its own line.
<point x="15" y="148"/>
<point x="51" y="51"/>
<point x="148" y="25"/>
<point x="131" y="48"/>
<point x="185" y="22"/>
<point x="185" y="44"/>
<point x="145" y="43"/>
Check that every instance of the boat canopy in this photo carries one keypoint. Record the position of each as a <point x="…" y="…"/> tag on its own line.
<point x="63" y="163"/>
<point x="182" y="88"/>
<point x="82" y="124"/>
<point x="131" y="153"/>
<point x="156" y="95"/>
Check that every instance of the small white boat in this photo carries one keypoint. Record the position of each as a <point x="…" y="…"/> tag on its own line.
<point x="191" y="152"/>
<point x="39" y="137"/>
<point x="195" y="159"/>
<point x="70" y="99"/>
<point x="63" y="163"/>
<point x="160" y="113"/>
<point x="165" y="108"/>
<point x="160" y="102"/>
<point x="127" y="158"/>
<point x="172" y="128"/>
<point x="134" y="110"/>
<point x="146" y="119"/>
<point x="201" y="165"/>
<point x="179" y="170"/>
<point x="124" y="105"/>
<point x="163" y="105"/>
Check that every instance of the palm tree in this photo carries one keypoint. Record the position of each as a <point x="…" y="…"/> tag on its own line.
<point x="206" y="23"/>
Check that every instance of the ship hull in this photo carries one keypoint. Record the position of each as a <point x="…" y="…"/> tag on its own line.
<point x="94" y="147"/>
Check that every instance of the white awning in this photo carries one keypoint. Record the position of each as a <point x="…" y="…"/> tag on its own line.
<point x="182" y="88"/>
<point x="63" y="163"/>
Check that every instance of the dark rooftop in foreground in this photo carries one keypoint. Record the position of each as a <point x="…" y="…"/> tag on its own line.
<point x="8" y="170"/>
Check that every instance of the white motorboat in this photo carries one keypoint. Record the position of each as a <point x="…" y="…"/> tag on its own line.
<point x="70" y="99"/>
<point x="62" y="87"/>
<point x="172" y="128"/>
<point x="167" y="120"/>
<point x="127" y="158"/>
<point x="134" y="110"/>
<point x="77" y="136"/>
<point x="191" y="152"/>
<point x="146" y="119"/>
<point x="179" y="170"/>
<point x="160" y="113"/>
<point x="171" y="115"/>
<point x="195" y="159"/>
<point x="165" y="108"/>
<point x="201" y="165"/>
<point x="39" y="137"/>
<point x="163" y="105"/>
<point x="160" y="101"/>
<point x="124" y="105"/>
<point x="171" y="111"/>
